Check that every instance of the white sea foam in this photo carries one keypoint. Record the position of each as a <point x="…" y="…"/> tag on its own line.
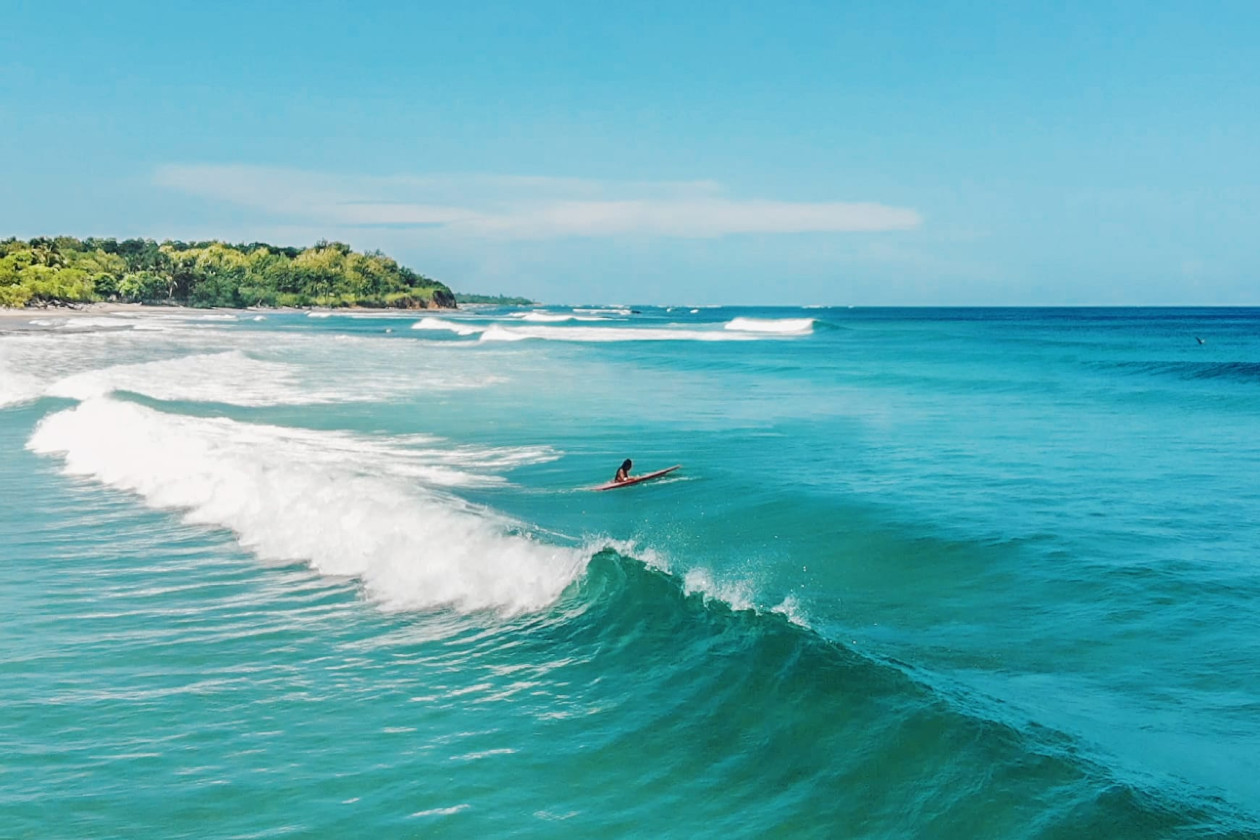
<point x="234" y="378"/>
<point x="17" y="388"/>
<point x="91" y="323"/>
<point x="442" y="812"/>
<point x="604" y="311"/>
<point x="318" y="314"/>
<point x="86" y="323"/>
<point x="649" y="556"/>
<point x="543" y="316"/>
<point x="549" y="317"/>
<point x="608" y="334"/>
<point x="777" y="326"/>
<point x="335" y="501"/>
<point x="790" y="609"/>
<point x="230" y="377"/>
<point x="440" y="324"/>
<point x="739" y="595"/>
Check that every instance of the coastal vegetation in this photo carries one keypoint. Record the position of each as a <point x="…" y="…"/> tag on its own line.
<point x="66" y="270"/>
<point x="499" y="300"/>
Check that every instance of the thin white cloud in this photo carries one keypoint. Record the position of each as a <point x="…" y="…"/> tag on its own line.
<point x="518" y="207"/>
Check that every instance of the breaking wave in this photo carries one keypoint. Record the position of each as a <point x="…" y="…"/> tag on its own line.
<point x="443" y="325"/>
<point x="373" y="510"/>
<point x="776" y="326"/>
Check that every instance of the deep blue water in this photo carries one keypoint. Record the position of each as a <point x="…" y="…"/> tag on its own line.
<point x="924" y="573"/>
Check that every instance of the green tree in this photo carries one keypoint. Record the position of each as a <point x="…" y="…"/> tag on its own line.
<point x="208" y="273"/>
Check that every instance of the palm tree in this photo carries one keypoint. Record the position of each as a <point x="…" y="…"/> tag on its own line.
<point x="45" y="252"/>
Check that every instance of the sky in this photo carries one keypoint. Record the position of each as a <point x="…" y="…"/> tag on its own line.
<point x="837" y="153"/>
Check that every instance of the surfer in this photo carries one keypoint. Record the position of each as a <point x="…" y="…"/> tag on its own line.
<point x="625" y="479"/>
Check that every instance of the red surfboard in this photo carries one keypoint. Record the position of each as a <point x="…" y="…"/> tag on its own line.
<point x="635" y="479"/>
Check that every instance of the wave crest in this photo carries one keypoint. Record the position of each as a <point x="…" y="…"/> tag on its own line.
<point x="412" y="546"/>
<point x="776" y="326"/>
<point x="440" y="324"/>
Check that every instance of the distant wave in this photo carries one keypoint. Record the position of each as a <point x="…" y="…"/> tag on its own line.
<point x="778" y="326"/>
<point x="544" y="316"/>
<point x="550" y="317"/>
<point x="604" y="311"/>
<point x="1236" y="371"/>
<point x="442" y="325"/>
<point x="1244" y="371"/>
<point x="91" y="322"/>
<point x="609" y="334"/>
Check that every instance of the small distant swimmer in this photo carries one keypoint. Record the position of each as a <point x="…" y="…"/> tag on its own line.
<point x="623" y="472"/>
<point x="1201" y="341"/>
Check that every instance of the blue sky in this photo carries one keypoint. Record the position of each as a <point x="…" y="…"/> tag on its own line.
<point x="949" y="153"/>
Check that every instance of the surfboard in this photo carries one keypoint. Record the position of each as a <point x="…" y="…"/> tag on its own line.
<point x="637" y="479"/>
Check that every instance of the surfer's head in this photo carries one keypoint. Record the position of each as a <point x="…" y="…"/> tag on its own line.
<point x="625" y="465"/>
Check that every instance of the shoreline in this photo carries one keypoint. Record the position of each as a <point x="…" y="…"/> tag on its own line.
<point x="81" y="310"/>
<point x="87" y="310"/>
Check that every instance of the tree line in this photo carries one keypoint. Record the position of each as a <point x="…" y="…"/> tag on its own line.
<point x="63" y="269"/>
<point x="498" y="300"/>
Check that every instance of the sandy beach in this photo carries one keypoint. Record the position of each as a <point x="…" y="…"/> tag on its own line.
<point x="93" y="316"/>
<point x="86" y="310"/>
<point x="51" y="317"/>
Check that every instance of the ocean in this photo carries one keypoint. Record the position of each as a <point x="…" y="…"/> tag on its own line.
<point x="940" y="573"/>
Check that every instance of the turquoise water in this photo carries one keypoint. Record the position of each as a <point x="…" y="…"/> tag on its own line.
<point x="924" y="573"/>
